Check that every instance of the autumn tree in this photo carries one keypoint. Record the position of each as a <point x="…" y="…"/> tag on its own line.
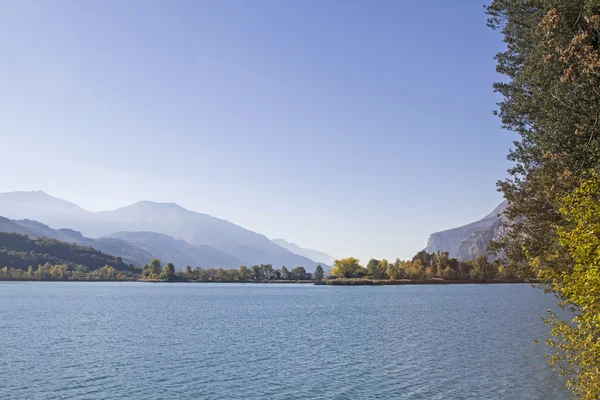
<point x="551" y="100"/>
<point x="346" y="268"/>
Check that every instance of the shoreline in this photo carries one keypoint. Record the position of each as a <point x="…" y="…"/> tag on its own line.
<point x="329" y="282"/>
<point x="387" y="282"/>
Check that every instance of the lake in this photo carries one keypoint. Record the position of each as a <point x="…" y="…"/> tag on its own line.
<point x="64" y="340"/>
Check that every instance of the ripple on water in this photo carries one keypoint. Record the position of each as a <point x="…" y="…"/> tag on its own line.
<point x="153" y="341"/>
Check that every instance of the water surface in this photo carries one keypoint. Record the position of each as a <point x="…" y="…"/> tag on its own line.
<point x="223" y="341"/>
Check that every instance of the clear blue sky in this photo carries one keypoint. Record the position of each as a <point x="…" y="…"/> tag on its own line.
<point x="353" y="127"/>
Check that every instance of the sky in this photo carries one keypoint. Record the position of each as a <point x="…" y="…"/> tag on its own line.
<point x="357" y="128"/>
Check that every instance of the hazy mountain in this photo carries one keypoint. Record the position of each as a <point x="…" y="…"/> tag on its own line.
<point x="9" y="226"/>
<point x="130" y="253"/>
<point x="314" y="255"/>
<point x="39" y="206"/>
<point x="468" y="241"/>
<point x="195" y="228"/>
<point x="179" y="252"/>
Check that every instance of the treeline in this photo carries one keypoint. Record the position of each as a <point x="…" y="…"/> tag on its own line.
<point x="426" y="267"/>
<point x="256" y="273"/>
<point x="63" y="272"/>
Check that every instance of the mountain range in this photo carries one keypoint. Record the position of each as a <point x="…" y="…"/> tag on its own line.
<point x="311" y="254"/>
<point x="148" y="229"/>
<point x="468" y="241"/>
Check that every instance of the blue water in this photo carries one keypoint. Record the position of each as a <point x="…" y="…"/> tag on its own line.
<point x="225" y="341"/>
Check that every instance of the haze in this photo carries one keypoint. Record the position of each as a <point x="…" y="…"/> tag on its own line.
<point x="355" y="128"/>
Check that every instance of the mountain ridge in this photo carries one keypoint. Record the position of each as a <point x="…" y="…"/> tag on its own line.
<point x="470" y="240"/>
<point x="168" y="218"/>
<point x="311" y="254"/>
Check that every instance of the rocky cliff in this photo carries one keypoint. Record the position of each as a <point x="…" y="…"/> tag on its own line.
<point x="468" y="241"/>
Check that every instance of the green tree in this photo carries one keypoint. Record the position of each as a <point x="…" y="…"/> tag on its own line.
<point x="243" y="273"/>
<point x="155" y="266"/>
<point x="377" y="269"/>
<point x="482" y="269"/>
<point x="256" y="272"/>
<point x="424" y="257"/>
<point x="267" y="271"/>
<point x="319" y="273"/>
<point x="551" y="99"/>
<point x="188" y="272"/>
<point x="440" y="262"/>
<point x="299" y="273"/>
<point x="396" y="270"/>
<point x="168" y="272"/>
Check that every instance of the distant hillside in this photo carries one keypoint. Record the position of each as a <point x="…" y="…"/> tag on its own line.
<point x="468" y="241"/>
<point x="178" y="251"/>
<point x="314" y="255"/>
<point x="130" y="253"/>
<point x="167" y="218"/>
<point x="20" y="252"/>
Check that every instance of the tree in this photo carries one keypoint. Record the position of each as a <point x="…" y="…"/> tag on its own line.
<point x="256" y="272"/>
<point x="440" y="262"/>
<point x="220" y="275"/>
<point x="577" y="343"/>
<point x="376" y="269"/>
<point x="155" y="266"/>
<point x="106" y="273"/>
<point x="299" y="273"/>
<point x="319" y="273"/>
<point x="267" y="271"/>
<point x="424" y="257"/>
<point x="59" y="272"/>
<point x="551" y="99"/>
<point x="285" y="274"/>
<point x="396" y="270"/>
<point x="551" y="102"/>
<point x="243" y="273"/>
<point x="346" y="268"/>
<point x="168" y="272"/>
<point x="188" y="272"/>
<point x="483" y="270"/>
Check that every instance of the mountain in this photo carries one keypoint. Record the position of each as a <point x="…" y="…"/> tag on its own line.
<point x="168" y="218"/>
<point x="314" y="255"/>
<point x="177" y="251"/>
<point x="130" y="253"/>
<point x="39" y="206"/>
<point x="468" y="241"/>
<point x="20" y="251"/>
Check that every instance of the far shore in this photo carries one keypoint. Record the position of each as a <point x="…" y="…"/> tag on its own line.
<point x="330" y="282"/>
<point x="382" y="282"/>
